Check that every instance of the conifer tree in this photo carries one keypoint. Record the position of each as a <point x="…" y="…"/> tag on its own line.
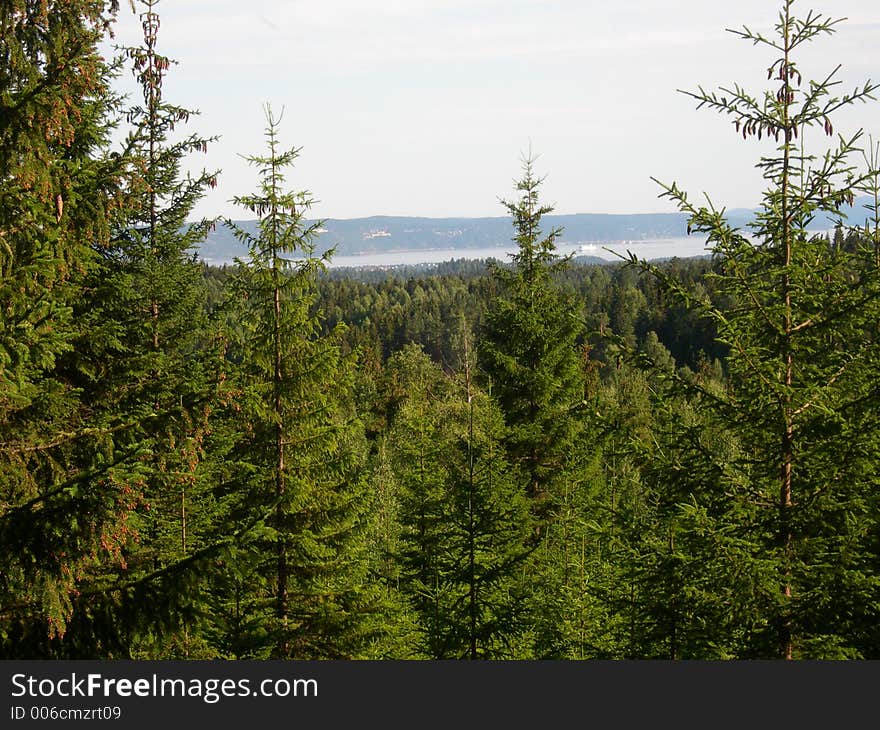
<point x="63" y="512"/>
<point x="582" y="580"/>
<point x="465" y="521"/>
<point x="530" y="355"/>
<point x="528" y="346"/>
<point x="302" y="455"/>
<point x="141" y="358"/>
<point x="791" y="509"/>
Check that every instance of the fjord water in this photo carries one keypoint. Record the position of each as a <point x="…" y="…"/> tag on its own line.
<point x="610" y="251"/>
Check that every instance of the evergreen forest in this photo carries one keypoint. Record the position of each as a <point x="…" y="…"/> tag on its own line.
<point x="535" y="458"/>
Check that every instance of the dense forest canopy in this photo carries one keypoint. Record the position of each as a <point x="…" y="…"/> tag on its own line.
<point x="523" y="459"/>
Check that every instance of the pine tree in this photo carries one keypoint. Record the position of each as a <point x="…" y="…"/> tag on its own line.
<point x="530" y="355"/>
<point x="584" y="583"/>
<point x="792" y="507"/>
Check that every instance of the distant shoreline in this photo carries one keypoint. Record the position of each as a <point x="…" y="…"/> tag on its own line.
<point x="658" y="248"/>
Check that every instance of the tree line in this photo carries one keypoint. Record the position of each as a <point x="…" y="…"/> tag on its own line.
<point x="525" y="459"/>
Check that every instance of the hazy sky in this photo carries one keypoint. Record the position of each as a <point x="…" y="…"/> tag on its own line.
<point x="423" y="107"/>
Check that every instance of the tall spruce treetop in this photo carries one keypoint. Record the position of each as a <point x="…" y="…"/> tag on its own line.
<point x="145" y="305"/>
<point x="145" y="309"/>
<point x="140" y="360"/>
<point x="302" y="453"/>
<point x="528" y="346"/>
<point x="151" y="264"/>
<point x="797" y="505"/>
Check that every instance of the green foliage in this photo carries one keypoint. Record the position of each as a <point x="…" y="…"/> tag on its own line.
<point x="464" y="521"/>
<point x="673" y="461"/>
<point x="793" y="501"/>
<point x="301" y="468"/>
<point x="142" y="360"/>
<point x="62" y="508"/>
<point x="528" y="347"/>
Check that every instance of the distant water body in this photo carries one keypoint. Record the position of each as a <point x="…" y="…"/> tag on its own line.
<point x="657" y="249"/>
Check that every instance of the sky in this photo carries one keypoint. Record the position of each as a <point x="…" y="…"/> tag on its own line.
<point x="426" y="107"/>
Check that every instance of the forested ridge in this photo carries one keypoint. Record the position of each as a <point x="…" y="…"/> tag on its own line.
<point x="524" y="459"/>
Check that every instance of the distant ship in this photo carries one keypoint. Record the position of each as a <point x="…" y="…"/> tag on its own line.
<point x="376" y="234"/>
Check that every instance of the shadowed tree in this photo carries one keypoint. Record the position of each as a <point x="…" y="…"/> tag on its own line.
<point x="63" y="512"/>
<point x="143" y="356"/>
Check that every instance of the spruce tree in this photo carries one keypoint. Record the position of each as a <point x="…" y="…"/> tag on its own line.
<point x="528" y="346"/>
<point x="792" y="507"/>
<point x="301" y="456"/>
<point x="63" y="513"/>
<point x="465" y="521"/>
<point x="529" y="353"/>
<point x="141" y="364"/>
<point x="117" y="469"/>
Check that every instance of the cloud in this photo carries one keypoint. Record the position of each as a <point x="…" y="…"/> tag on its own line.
<point x="345" y="36"/>
<point x="401" y="90"/>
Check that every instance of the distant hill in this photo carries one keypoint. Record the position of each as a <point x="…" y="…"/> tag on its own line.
<point x="394" y="233"/>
